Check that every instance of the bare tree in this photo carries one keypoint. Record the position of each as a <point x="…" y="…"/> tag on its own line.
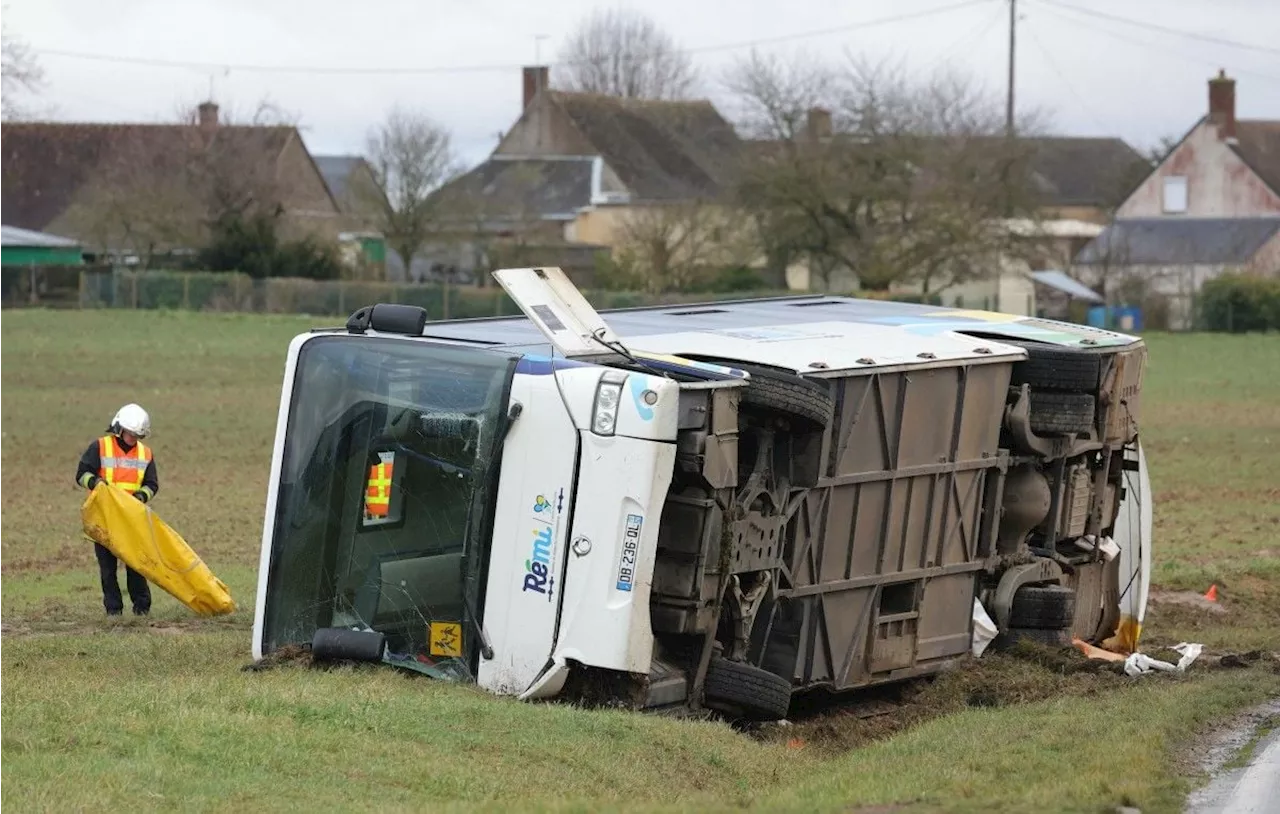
<point x="238" y="176"/>
<point x="621" y="52"/>
<point x="782" y="101"/>
<point x="1159" y="151"/>
<point x="21" y="73"/>
<point x="411" y="156"/>
<point x="141" y="203"/>
<point x="677" y="246"/>
<point x="868" y="169"/>
<point x="777" y="94"/>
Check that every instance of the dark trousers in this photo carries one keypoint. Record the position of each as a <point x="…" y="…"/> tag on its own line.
<point x="139" y="590"/>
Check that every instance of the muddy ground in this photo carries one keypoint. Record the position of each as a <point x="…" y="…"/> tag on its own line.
<point x="1025" y="673"/>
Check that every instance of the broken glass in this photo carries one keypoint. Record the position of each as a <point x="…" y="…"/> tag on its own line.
<point x="385" y="498"/>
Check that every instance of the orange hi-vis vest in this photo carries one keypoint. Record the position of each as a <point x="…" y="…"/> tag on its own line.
<point x="119" y="468"/>
<point x="377" y="500"/>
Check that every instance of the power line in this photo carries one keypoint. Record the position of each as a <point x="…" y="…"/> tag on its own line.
<point x="1182" y="55"/>
<point x="842" y="29"/>
<point x="974" y="36"/>
<point x="1166" y="29"/>
<point x="492" y="68"/>
<point x="1053" y="64"/>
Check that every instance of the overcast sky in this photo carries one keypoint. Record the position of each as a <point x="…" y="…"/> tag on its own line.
<point x="1098" y="76"/>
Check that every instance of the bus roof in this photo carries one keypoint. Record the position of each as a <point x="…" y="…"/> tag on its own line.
<point x="803" y="333"/>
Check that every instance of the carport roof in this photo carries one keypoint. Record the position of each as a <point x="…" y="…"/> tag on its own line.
<point x="14" y="237"/>
<point x="1065" y="284"/>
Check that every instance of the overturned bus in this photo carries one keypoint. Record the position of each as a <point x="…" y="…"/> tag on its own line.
<point x="719" y="505"/>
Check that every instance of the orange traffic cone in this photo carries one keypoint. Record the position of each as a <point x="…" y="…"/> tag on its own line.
<point x="1212" y="593"/>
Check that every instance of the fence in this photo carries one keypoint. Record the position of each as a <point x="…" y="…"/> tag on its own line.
<point x="84" y="287"/>
<point x="103" y="287"/>
<point x="45" y="286"/>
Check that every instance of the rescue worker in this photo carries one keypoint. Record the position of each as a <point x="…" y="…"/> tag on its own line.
<point x="120" y="459"/>
<point x="377" y="495"/>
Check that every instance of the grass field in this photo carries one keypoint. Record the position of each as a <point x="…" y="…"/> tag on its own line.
<point x="159" y="715"/>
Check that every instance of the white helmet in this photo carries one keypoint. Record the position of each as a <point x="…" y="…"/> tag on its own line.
<point x="132" y="418"/>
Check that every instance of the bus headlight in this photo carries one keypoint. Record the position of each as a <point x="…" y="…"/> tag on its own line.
<point x="604" y="417"/>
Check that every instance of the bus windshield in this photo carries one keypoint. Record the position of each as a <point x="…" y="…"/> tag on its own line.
<point x="385" y="498"/>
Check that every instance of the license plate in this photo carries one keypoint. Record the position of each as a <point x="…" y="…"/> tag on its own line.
<point x="630" y="549"/>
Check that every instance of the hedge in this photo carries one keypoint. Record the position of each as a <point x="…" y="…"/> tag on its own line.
<point x="1240" y="303"/>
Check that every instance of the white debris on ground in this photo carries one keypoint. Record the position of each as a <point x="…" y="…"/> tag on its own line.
<point x="984" y="629"/>
<point x="1141" y="663"/>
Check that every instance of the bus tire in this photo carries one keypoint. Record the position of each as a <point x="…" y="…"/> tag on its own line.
<point x="748" y="691"/>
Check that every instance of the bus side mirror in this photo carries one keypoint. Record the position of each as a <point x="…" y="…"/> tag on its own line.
<point x="389" y="318"/>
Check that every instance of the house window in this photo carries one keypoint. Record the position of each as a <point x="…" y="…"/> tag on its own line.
<point x="1175" y="194"/>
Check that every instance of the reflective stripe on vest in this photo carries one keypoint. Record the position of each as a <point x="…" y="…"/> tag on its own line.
<point x="377" y="500"/>
<point x="122" y="469"/>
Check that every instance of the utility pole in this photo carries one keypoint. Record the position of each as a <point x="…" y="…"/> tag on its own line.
<point x="1013" y="28"/>
<point x="1005" y="174"/>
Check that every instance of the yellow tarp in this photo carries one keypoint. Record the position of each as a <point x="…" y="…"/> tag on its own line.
<point x="145" y="543"/>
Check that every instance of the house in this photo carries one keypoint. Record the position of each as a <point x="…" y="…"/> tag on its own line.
<point x="1064" y="186"/>
<point x="1031" y="283"/>
<point x="354" y="188"/>
<point x="1072" y="184"/>
<point x="578" y="173"/>
<point x="360" y="199"/>
<point x="1079" y="178"/>
<point x="581" y="171"/>
<point x="139" y="190"/>
<point x="509" y="208"/>
<point x="1077" y="183"/>
<point x="1212" y="205"/>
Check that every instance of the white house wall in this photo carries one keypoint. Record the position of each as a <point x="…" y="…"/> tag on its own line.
<point x="1177" y="285"/>
<point x="1219" y="183"/>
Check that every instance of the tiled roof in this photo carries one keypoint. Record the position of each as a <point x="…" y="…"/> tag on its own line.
<point x="660" y="150"/>
<point x="45" y="165"/>
<point x="1177" y="241"/>
<point x="1064" y="170"/>
<point x="1258" y="144"/>
<point x="336" y="171"/>
<point x="1071" y="171"/>
<point x="525" y="187"/>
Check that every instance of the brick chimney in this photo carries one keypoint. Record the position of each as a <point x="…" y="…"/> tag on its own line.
<point x="818" y="126"/>
<point x="208" y="116"/>
<point x="1222" y="105"/>
<point x="536" y="78"/>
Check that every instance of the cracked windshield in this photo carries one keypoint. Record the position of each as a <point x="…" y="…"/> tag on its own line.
<point x="385" y="497"/>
